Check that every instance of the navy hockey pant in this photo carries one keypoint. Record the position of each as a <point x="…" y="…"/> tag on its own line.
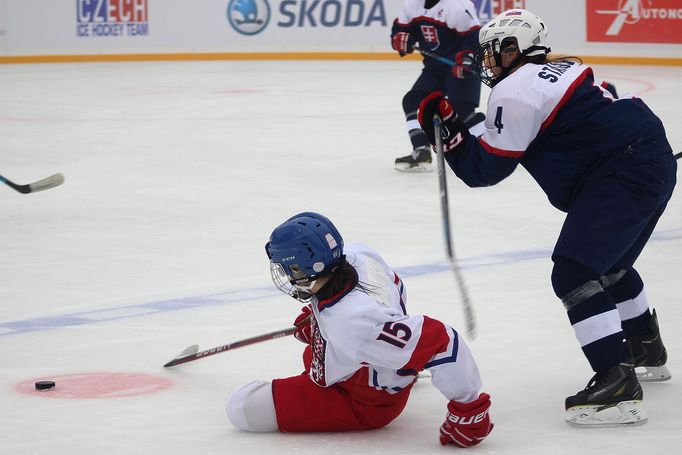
<point x="605" y="231"/>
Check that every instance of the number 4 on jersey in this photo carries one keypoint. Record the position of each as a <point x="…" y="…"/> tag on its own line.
<point x="498" y="120"/>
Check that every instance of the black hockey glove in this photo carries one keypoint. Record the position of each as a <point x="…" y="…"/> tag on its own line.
<point x="453" y="131"/>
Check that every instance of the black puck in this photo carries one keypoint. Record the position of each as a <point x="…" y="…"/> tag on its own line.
<point x="45" y="385"/>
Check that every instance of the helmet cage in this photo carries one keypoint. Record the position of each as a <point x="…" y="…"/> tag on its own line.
<point x="489" y="56"/>
<point x="296" y="288"/>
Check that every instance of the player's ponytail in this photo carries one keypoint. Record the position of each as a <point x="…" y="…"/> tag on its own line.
<point x="342" y="278"/>
<point x="551" y="58"/>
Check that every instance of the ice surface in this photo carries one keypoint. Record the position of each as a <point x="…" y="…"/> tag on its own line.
<point x="176" y="174"/>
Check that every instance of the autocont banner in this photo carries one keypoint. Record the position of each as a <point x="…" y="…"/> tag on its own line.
<point x="634" y="21"/>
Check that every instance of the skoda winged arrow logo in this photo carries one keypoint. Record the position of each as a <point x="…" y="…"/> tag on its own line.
<point x="248" y="17"/>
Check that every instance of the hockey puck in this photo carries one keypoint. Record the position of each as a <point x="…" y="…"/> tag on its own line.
<point x="45" y="385"/>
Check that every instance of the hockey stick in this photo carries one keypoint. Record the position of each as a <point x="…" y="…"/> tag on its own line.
<point x="469" y="316"/>
<point x="678" y="155"/>
<point x="40" y="185"/>
<point x="192" y="353"/>
<point x="438" y="57"/>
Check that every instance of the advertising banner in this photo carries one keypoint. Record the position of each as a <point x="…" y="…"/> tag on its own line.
<point x="250" y="17"/>
<point x="3" y="28"/>
<point x="487" y="9"/>
<point x="651" y="28"/>
<point x="112" y="18"/>
<point x="634" y="21"/>
<point x="65" y="26"/>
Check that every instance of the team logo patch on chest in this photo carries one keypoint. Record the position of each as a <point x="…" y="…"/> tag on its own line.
<point x="319" y="346"/>
<point x="430" y="34"/>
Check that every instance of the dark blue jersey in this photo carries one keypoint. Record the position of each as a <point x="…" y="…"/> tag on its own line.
<point x="448" y="27"/>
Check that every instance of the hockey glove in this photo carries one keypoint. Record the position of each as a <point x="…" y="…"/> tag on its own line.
<point x="467" y="424"/>
<point x="465" y="64"/>
<point x="302" y="324"/>
<point x="402" y="42"/>
<point x="453" y="132"/>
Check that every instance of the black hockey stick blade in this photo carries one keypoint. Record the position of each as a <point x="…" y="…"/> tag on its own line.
<point x="678" y="155"/>
<point x="40" y="185"/>
<point x="469" y="316"/>
<point x="192" y="353"/>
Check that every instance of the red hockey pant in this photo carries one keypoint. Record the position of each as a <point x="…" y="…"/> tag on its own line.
<point x="351" y="405"/>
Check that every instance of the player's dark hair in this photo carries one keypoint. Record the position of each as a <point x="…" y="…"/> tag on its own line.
<point x="343" y="276"/>
<point x="543" y="59"/>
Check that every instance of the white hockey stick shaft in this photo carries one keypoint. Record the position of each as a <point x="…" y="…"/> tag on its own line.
<point x="469" y="316"/>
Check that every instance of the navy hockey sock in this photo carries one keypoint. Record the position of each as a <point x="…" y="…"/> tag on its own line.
<point x="592" y="313"/>
<point x="629" y="287"/>
<point x="637" y="326"/>
<point x="411" y="102"/>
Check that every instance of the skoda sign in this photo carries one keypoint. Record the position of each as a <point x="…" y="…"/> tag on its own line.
<point x="248" y="17"/>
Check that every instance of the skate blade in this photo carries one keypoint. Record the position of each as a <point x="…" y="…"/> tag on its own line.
<point x="623" y="414"/>
<point x="653" y="374"/>
<point x="419" y="167"/>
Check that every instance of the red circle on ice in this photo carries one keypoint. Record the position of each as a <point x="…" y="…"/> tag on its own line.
<point x="97" y="385"/>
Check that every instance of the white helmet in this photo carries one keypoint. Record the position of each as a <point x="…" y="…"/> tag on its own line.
<point x="514" y="26"/>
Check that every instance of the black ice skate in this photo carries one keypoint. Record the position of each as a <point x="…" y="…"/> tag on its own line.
<point x="649" y="354"/>
<point x="418" y="161"/>
<point x="612" y="398"/>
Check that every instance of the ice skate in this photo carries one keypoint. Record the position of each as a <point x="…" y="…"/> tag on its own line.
<point x="612" y="398"/>
<point x="649" y="355"/>
<point x="418" y="161"/>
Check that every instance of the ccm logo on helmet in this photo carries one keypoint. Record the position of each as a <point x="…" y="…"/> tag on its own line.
<point x="467" y="420"/>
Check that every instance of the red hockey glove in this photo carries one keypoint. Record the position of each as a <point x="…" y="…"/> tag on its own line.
<point x="302" y="324"/>
<point x="465" y="64"/>
<point x="453" y="132"/>
<point x="402" y="43"/>
<point x="467" y="424"/>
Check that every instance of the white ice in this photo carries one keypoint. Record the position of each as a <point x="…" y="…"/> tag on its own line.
<point x="176" y="173"/>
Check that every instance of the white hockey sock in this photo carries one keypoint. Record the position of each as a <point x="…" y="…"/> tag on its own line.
<point x="252" y="408"/>
<point x="633" y="308"/>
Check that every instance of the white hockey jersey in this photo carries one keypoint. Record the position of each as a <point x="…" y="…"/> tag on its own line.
<point x="368" y="327"/>
<point x="457" y="15"/>
<point x="560" y="124"/>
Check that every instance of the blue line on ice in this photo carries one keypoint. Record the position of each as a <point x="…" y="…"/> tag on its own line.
<point x="261" y="293"/>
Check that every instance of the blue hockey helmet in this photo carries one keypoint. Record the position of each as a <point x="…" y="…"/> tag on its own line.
<point x="302" y="249"/>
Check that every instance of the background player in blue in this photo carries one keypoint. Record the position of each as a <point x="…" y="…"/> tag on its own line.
<point x="448" y="28"/>
<point x="604" y="161"/>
